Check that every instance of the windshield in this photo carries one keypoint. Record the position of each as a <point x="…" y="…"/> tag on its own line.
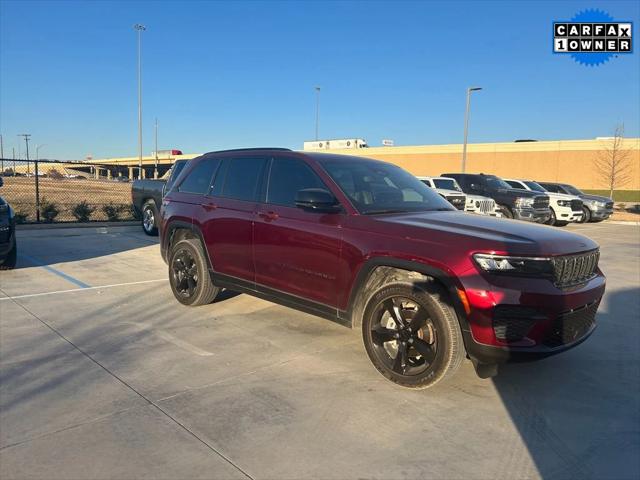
<point x="536" y="187"/>
<point x="446" y="183"/>
<point x="377" y="188"/>
<point x="572" y="190"/>
<point x="496" y="182"/>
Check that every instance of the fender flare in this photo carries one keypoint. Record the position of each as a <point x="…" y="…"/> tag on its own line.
<point x="182" y="225"/>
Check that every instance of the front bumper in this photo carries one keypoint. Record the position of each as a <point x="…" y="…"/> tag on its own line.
<point x="7" y="240"/>
<point x="541" y="319"/>
<point x="532" y="215"/>
<point x="568" y="215"/>
<point x="602" y="214"/>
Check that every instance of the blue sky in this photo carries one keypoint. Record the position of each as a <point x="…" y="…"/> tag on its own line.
<point x="222" y="75"/>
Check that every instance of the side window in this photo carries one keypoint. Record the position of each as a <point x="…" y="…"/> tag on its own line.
<point x="198" y="180"/>
<point x="513" y="184"/>
<point x="551" y="188"/>
<point x="287" y="176"/>
<point x="175" y="173"/>
<point x="242" y="178"/>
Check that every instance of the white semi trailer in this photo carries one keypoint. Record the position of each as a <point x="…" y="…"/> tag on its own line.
<point x="344" y="143"/>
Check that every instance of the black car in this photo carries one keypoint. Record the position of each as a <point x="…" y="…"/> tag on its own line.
<point x="8" y="248"/>
<point x="595" y="207"/>
<point x="512" y="202"/>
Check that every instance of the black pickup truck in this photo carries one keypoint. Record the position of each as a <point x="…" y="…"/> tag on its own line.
<point x="512" y="202"/>
<point x="146" y="196"/>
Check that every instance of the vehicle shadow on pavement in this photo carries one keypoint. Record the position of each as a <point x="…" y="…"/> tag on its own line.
<point x="579" y="412"/>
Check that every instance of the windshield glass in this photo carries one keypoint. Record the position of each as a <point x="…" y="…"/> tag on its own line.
<point x="446" y="183"/>
<point x="572" y="190"/>
<point x="496" y="182"/>
<point x="535" y="186"/>
<point x="377" y="188"/>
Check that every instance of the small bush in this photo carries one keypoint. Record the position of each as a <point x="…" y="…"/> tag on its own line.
<point x="53" y="173"/>
<point x="20" y="216"/>
<point x="83" y="211"/>
<point x="112" y="211"/>
<point x="48" y="210"/>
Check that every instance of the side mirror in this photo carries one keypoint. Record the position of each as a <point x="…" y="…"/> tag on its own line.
<point x="317" y="200"/>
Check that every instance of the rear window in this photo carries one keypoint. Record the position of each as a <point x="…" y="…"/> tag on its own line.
<point x="198" y="180"/>
<point x="243" y="175"/>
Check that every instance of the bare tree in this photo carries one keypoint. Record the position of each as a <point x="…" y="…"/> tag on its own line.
<point x="613" y="162"/>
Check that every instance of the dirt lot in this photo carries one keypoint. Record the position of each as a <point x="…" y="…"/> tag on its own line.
<point x="104" y="375"/>
<point x="66" y="194"/>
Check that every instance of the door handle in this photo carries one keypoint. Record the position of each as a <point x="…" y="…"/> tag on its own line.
<point x="209" y="206"/>
<point x="269" y="216"/>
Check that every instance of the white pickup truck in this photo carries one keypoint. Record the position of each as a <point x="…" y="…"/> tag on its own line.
<point x="564" y="208"/>
<point x="448" y="187"/>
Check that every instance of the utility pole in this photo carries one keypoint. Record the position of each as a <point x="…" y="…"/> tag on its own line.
<point x="139" y="28"/>
<point x="155" y="173"/>
<point x="26" y="141"/>
<point x="13" y="155"/>
<point x="1" y="156"/>
<point x="466" y="126"/>
<point x="317" y="110"/>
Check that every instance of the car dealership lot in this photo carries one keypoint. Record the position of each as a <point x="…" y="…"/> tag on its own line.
<point x="103" y="374"/>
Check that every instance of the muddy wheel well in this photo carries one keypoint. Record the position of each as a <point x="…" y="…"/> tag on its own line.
<point x="382" y="276"/>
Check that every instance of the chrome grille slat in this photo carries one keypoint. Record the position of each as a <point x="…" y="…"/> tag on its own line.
<point x="574" y="269"/>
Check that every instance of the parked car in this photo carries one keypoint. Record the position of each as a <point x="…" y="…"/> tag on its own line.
<point x="452" y="195"/>
<point x="518" y="204"/>
<point x="366" y="244"/>
<point x="473" y="204"/>
<point x="595" y="207"/>
<point x="564" y="208"/>
<point x="146" y="196"/>
<point x="8" y="244"/>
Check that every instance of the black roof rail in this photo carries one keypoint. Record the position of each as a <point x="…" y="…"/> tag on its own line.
<point x="253" y="149"/>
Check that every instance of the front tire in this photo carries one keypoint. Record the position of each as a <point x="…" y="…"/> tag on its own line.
<point x="189" y="274"/>
<point x="149" y="218"/>
<point x="412" y="335"/>
<point x="586" y="215"/>
<point x="505" y="211"/>
<point x="552" y="219"/>
<point x="11" y="259"/>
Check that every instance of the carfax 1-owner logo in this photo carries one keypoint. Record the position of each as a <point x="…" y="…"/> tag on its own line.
<point x="592" y="37"/>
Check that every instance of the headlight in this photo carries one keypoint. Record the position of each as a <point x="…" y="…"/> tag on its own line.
<point x="506" y="264"/>
<point x="477" y="204"/>
<point x="524" y="202"/>
<point x="564" y="203"/>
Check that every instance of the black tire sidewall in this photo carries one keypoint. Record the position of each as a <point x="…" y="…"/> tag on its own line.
<point x="586" y="217"/>
<point x="443" y="354"/>
<point x="150" y="205"/>
<point x="11" y="259"/>
<point x="506" y="212"/>
<point x="201" y="264"/>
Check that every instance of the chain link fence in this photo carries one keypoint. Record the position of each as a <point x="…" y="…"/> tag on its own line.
<point x="62" y="195"/>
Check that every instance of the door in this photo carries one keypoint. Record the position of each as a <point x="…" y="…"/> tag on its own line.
<point x="296" y="251"/>
<point x="228" y="222"/>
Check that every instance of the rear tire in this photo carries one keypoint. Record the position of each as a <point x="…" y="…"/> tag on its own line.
<point x="11" y="259"/>
<point x="149" y="218"/>
<point x="423" y="346"/>
<point x="189" y="274"/>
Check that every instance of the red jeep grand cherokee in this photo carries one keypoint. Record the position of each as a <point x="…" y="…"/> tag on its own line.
<point x="367" y="244"/>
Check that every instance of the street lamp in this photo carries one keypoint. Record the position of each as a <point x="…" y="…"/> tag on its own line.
<point x="139" y="28"/>
<point x="466" y="125"/>
<point x="317" y="110"/>
<point x="38" y="147"/>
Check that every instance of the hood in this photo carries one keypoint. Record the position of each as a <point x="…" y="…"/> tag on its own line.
<point x="484" y="233"/>
<point x="561" y="196"/>
<point x="479" y="198"/>
<point x="597" y="198"/>
<point x="520" y="193"/>
<point x="450" y="193"/>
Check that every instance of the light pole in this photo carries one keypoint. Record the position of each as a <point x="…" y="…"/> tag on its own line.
<point x="155" y="173"/>
<point x="26" y="141"/>
<point x="38" y="147"/>
<point x="139" y="28"/>
<point x="317" y="110"/>
<point x="466" y="126"/>
<point x="1" y="155"/>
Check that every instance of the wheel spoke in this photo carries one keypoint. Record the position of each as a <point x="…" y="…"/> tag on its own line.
<point x="400" y="362"/>
<point x="394" y="310"/>
<point x="419" y="320"/>
<point x="192" y="285"/>
<point x="426" y="350"/>
<point x="381" y="334"/>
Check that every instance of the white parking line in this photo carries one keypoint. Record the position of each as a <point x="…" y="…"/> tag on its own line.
<point x="15" y="297"/>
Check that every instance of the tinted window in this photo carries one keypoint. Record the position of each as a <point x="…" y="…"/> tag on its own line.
<point x="446" y="183"/>
<point x="175" y="173"/>
<point x="513" y="184"/>
<point x="376" y="187"/>
<point x="242" y="178"/>
<point x="551" y="188"/>
<point x="535" y="186"/>
<point x="198" y="179"/>
<point x="289" y="175"/>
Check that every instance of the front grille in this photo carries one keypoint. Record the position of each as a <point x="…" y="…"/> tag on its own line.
<point x="574" y="269"/>
<point x="576" y="205"/>
<point x="484" y="206"/>
<point x="512" y="323"/>
<point x="541" y="202"/>
<point x="571" y="326"/>
<point x="457" y="201"/>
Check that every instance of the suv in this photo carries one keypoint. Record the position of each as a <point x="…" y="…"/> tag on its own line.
<point x="452" y="195"/>
<point x="474" y="203"/>
<point x="366" y="244"/>
<point x="564" y="208"/>
<point x="8" y="247"/>
<point x="518" y="204"/>
<point x="595" y="207"/>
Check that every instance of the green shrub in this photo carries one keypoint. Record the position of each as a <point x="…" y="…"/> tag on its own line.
<point x="112" y="211"/>
<point x="82" y="211"/>
<point x="20" y="216"/>
<point x="48" y="210"/>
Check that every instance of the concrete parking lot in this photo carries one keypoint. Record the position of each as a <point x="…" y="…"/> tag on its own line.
<point x="104" y="375"/>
